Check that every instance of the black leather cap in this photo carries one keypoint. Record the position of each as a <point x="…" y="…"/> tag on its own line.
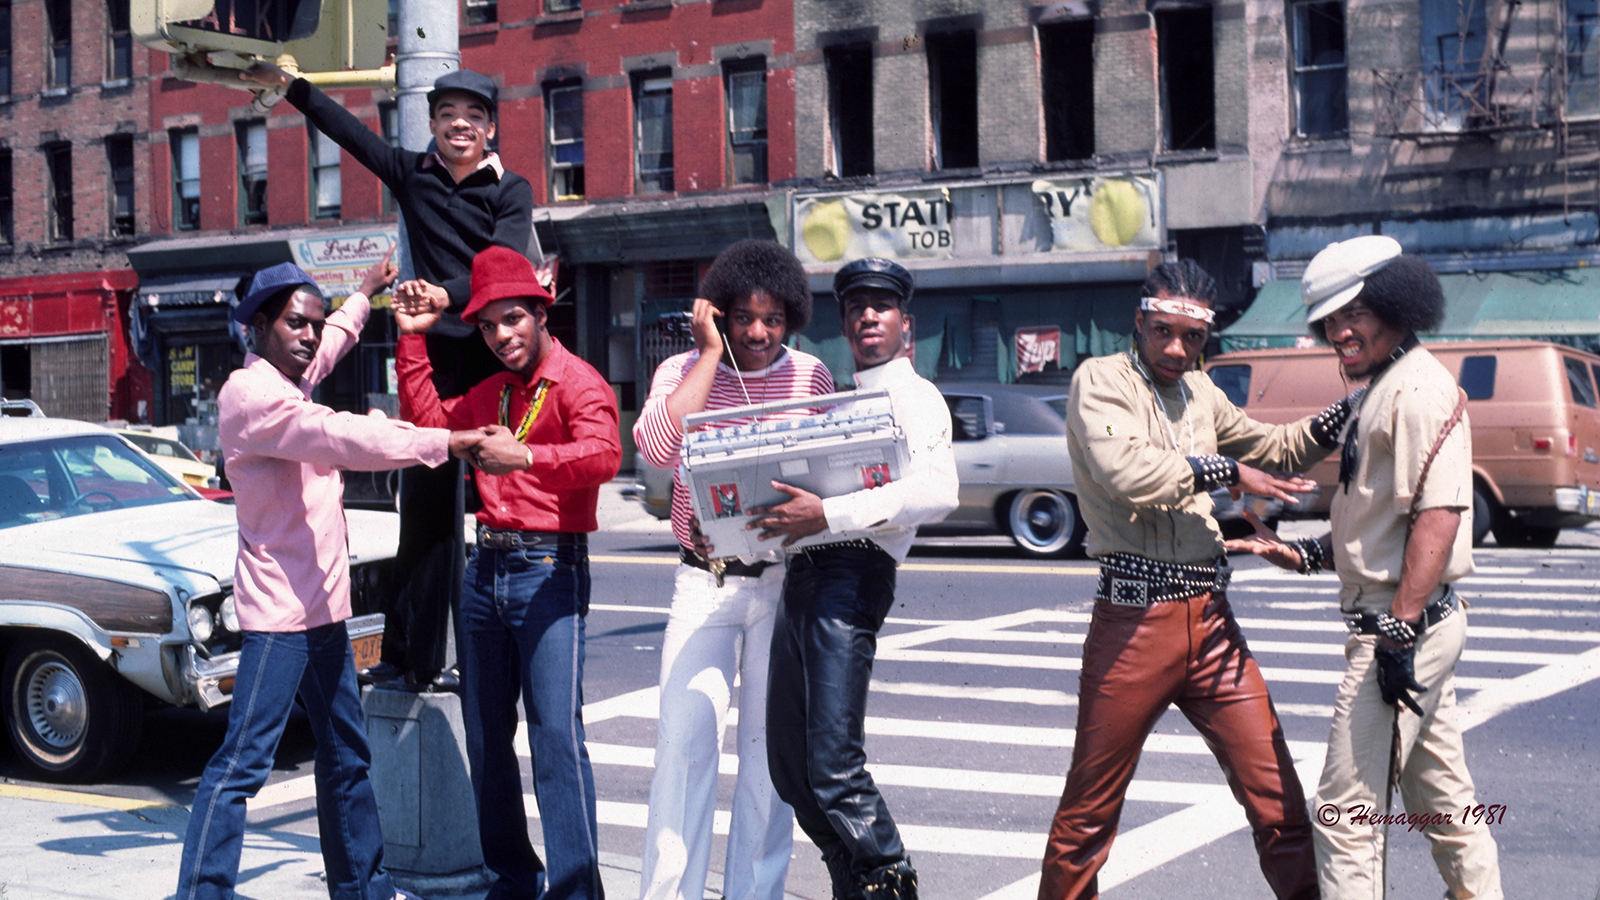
<point x="873" y="272"/>
<point x="467" y="81"/>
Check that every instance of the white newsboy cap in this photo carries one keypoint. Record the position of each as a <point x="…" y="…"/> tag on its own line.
<point x="1337" y="274"/>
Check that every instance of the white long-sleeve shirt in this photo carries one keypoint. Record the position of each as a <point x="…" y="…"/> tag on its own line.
<point x="927" y="490"/>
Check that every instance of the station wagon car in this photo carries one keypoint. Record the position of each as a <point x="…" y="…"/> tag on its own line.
<point x="116" y="594"/>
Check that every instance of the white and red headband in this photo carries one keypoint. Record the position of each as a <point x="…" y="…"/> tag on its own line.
<point x="1178" y="308"/>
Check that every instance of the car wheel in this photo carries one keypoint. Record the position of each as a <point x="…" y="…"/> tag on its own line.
<point x="1045" y="523"/>
<point x="1482" y="516"/>
<point x="1541" y="535"/>
<point x="69" y="715"/>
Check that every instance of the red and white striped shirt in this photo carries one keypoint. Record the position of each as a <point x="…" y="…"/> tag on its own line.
<point x="660" y="436"/>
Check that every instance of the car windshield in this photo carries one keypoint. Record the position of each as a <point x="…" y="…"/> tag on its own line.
<point x="78" y="475"/>
<point x="159" y="446"/>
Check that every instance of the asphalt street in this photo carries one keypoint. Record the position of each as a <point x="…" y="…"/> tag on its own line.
<point x="970" y="732"/>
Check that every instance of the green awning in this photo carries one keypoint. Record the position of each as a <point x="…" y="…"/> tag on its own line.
<point x="1548" y="304"/>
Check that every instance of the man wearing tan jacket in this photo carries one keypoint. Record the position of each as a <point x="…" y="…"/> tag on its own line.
<point x="1150" y="436"/>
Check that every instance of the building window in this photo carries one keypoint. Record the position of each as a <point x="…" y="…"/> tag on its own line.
<point x="185" y="145"/>
<point x="559" y="6"/>
<point x="58" y="166"/>
<point x="1319" y="69"/>
<point x="252" y="140"/>
<point x="389" y="122"/>
<point x="849" y="71"/>
<point x="5" y="48"/>
<point x="1066" y="83"/>
<point x="652" y="121"/>
<point x="119" y="42"/>
<point x="953" y="99"/>
<point x="1455" y="85"/>
<point x="746" y="83"/>
<point x="6" y="235"/>
<point x="119" y="158"/>
<point x="481" y="12"/>
<point x="1188" y="81"/>
<point x="1583" y="59"/>
<point x="394" y="18"/>
<point x="326" y="194"/>
<point x="564" y="114"/>
<point x="58" y="21"/>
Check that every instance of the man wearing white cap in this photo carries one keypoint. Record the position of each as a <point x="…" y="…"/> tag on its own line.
<point x="1150" y="436"/>
<point x="1402" y="534"/>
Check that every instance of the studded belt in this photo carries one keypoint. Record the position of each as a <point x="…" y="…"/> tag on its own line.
<point x="722" y="568"/>
<point x="1127" y="579"/>
<point x="1432" y="614"/>
<point x="498" y="539"/>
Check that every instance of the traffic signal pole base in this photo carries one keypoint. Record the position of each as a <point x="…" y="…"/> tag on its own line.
<point x="424" y="790"/>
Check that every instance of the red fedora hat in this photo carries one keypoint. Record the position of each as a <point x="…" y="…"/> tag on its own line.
<point x="500" y="273"/>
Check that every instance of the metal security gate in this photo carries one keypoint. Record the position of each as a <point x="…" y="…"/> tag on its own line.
<point x="70" y="377"/>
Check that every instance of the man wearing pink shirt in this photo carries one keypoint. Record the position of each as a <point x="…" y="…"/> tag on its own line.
<point x="291" y="585"/>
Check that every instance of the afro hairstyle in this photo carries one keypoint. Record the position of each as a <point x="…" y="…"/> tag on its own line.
<point x="1406" y="294"/>
<point x="767" y="266"/>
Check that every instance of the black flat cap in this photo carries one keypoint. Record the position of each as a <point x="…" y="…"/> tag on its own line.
<point x="467" y="81"/>
<point x="873" y="272"/>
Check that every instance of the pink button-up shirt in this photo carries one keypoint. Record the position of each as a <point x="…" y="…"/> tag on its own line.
<point x="283" y="455"/>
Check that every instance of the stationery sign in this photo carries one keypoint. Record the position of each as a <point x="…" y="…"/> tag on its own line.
<point x="908" y="225"/>
<point x="1036" y="347"/>
<point x="338" y="262"/>
<point x="1087" y="214"/>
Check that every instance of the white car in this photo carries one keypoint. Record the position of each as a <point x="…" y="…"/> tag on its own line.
<point x="116" y="593"/>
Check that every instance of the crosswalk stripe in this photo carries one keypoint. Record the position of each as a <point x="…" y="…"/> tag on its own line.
<point x="1303" y="648"/>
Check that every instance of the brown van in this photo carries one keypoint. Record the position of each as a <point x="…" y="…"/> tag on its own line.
<point x="1535" y="416"/>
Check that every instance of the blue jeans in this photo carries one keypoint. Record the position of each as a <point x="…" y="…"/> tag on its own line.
<point x="319" y="664"/>
<point x="522" y="636"/>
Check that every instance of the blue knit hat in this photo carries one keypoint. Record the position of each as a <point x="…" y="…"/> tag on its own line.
<point x="268" y="283"/>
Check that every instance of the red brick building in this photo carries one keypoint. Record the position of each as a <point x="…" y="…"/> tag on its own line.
<point x="74" y="184"/>
<point x="643" y="127"/>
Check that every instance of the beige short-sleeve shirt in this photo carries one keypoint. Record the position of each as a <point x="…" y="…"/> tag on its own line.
<point x="1396" y="426"/>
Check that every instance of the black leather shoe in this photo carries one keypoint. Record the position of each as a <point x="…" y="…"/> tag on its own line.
<point x="448" y="681"/>
<point x="380" y="673"/>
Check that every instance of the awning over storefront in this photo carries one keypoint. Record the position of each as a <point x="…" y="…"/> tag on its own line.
<point x="171" y="291"/>
<point x="1550" y="304"/>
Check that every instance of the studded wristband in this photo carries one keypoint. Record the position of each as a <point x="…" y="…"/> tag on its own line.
<point x="1396" y="630"/>
<point x="1212" y="472"/>
<point x="1328" y="424"/>
<point x="1312" y="558"/>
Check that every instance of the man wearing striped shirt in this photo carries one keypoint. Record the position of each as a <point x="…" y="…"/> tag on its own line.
<point x="722" y="609"/>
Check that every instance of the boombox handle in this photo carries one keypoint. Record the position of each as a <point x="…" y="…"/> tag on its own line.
<point x="691" y="421"/>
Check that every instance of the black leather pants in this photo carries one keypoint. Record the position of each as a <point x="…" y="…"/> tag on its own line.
<point x="834" y="602"/>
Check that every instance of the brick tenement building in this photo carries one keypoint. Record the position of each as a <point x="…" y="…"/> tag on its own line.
<point x="74" y="179"/>
<point x="651" y="131"/>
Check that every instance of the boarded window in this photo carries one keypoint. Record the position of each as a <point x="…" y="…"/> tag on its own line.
<point x="849" y="70"/>
<point x="953" y="99"/>
<point x="1188" y="79"/>
<point x="70" y="378"/>
<point x="1066" y="87"/>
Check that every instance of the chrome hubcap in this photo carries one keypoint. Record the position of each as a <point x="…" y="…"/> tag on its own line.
<point x="57" y="707"/>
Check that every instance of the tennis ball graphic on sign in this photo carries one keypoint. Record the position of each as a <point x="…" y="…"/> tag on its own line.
<point x="1116" y="213"/>
<point x="826" y="230"/>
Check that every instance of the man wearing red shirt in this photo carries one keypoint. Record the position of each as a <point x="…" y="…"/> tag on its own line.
<point x="553" y="440"/>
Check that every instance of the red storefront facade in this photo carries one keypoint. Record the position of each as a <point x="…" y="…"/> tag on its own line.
<point x="64" y="344"/>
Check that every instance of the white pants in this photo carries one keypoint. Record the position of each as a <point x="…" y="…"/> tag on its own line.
<point x="1433" y="776"/>
<point x="712" y="633"/>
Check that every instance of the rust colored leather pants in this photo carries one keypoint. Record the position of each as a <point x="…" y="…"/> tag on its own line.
<point x="1136" y="662"/>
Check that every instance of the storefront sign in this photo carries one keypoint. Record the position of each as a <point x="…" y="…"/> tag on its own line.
<point x="1087" y="214"/>
<point x="910" y="225"/>
<point x="1036" y="347"/>
<point x="339" y="262"/>
<point x="180" y="370"/>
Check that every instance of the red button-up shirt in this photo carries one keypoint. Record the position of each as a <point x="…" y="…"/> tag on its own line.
<point x="575" y="442"/>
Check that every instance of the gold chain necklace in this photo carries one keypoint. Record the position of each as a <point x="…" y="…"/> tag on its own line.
<point x="540" y="390"/>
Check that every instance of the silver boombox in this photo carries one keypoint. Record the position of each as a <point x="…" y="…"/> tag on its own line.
<point x="853" y="445"/>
